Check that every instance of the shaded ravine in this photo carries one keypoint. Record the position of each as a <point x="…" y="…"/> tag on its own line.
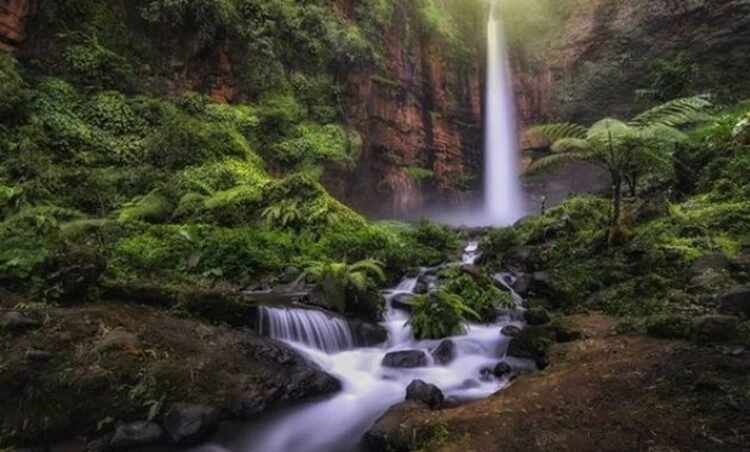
<point x="337" y="424"/>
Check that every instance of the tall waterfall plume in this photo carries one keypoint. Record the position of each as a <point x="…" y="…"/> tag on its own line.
<point x="503" y="201"/>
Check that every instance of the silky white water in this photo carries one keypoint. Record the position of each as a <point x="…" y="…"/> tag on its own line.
<point x="503" y="200"/>
<point x="337" y="424"/>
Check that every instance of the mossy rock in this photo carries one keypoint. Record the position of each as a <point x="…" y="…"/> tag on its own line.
<point x="670" y="327"/>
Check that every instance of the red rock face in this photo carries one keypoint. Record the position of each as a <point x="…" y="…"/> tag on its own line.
<point x="13" y="14"/>
<point x="412" y="116"/>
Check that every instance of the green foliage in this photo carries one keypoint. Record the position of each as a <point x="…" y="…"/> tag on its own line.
<point x="342" y="284"/>
<point x="439" y="314"/>
<point x="314" y="143"/>
<point x="478" y="293"/>
<point x="672" y="78"/>
<point x="94" y="67"/>
<point x="153" y="207"/>
<point x="420" y="174"/>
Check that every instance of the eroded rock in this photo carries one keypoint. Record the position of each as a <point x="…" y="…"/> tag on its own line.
<point x="135" y="434"/>
<point x="188" y="424"/>
<point x="426" y="393"/>
<point x="405" y="359"/>
<point x="445" y="352"/>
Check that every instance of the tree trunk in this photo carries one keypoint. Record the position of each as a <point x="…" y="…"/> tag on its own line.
<point x="617" y="201"/>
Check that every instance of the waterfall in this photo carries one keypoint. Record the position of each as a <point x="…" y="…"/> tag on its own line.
<point x="503" y="200"/>
<point x="306" y="326"/>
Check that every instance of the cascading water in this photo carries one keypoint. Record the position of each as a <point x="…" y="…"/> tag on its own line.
<point x="503" y="198"/>
<point x="337" y="424"/>
<point x="306" y="326"/>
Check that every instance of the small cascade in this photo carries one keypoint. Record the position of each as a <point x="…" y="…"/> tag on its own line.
<point x="471" y="253"/>
<point x="312" y="328"/>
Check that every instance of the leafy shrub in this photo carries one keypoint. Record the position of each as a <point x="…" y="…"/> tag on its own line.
<point x="316" y="144"/>
<point x="479" y="294"/>
<point x="439" y="314"/>
<point x="95" y="67"/>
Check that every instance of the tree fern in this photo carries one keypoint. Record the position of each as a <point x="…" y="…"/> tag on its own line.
<point x="555" y="160"/>
<point x="674" y="113"/>
<point x="558" y="131"/>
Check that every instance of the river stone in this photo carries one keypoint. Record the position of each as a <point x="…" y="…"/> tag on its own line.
<point x="189" y="425"/>
<point x="522" y="284"/>
<point x="426" y="393"/>
<point x="406" y="359"/>
<point x="735" y="301"/>
<point x="445" y="352"/>
<point x="421" y="288"/>
<point x="392" y="432"/>
<point x="17" y="322"/>
<point x="510" y="331"/>
<point x="135" y="434"/>
<point x="367" y="334"/>
<point x="502" y="369"/>
<point x="403" y="301"/>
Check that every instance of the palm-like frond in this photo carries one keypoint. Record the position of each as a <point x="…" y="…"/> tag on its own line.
<point x="554" y="160"/>
<point x="371" y="267"/>
<point x="661" y="132"/>
<point x="674" y="113"/>
<point x="570" y="145"/>
<point x="558" y="131"/>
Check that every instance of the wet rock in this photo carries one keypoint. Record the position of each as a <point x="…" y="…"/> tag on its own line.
<point x="716" y="328"/>
<point x="421" y="288"/>
<point x="17" y="322"/>
<point x="135" y="434"/>
<point x="426" y="393"/>
<point x="522" y="284"/>
<point x="536" y="316"/>
<point x="470" y="383"/>
<point x="100" y="444"/>
<point x="367" y="334"/>
<point x="735" y="301"/>
<point x="405" y="359"/>
<point x="445" y="352"/>
<point x="403" y="301"/>
<point x="118" y="340"/>
<point x="392" y="432"/>
<point x="38" y="356"/>
<point x="502" y="369"/>
<point x="290" y="275"/>
<point x="532" y="343"/>
<point x="511" y="331"/>
<point x="524" y="259"/>
<point x="188" y="425"/>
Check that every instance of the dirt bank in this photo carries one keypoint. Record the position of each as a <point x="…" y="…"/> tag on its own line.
<point x="606" y="393"/>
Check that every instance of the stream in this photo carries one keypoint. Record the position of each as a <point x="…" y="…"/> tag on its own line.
<point x="338" y="423"/>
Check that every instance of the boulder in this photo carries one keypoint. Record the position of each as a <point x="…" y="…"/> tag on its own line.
<point x="392" y="433"/>
<point x="536" y="316"/>
<point x="502" y="369"/>
<point x="511" y="331"/>
<point x="716" y="328"/>
<point x="405" y="359"/>
<point x="120" y="340"/>
<point x="290" y="275"/>
<point x="421" y="287"/>
<point x="708" y="271"/>
<point x="522" y="284"/>
<point x="445" y="352"/>
<point x="523" y="259"/>
<point x="188" y="425"/>
<point x="426" y="393"/>
<point x="17" y="322"/>
<point x="135" y="434"/>
<point x="532" y="344"/>
<point x="735" y="301"/>
<point x="402" y="301"/>
<point x="367" y="334"/>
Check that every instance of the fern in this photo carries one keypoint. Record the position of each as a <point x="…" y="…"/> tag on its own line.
<point x="674" y="113"/>
<point x="559" y="131"/>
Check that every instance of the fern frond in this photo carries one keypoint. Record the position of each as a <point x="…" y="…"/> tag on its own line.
<point x="554" y="160"/>
<point x="570" y="145"/>
<point x="558" y="131"/>
<point x="674" y="113"/>
<point x="371" y="266"/>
